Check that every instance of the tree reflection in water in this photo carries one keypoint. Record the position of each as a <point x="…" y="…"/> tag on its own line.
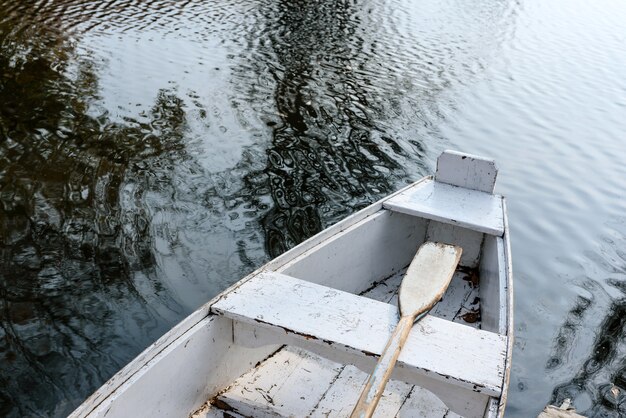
<point x="330" y="154"/>
<point x="68" y="297"/>
<point x="599" y="386"/>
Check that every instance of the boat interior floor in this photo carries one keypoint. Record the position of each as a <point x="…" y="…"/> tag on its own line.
<point x="294" y="382"/>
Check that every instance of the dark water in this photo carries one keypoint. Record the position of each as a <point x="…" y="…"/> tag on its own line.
<point x="151" y="153"/>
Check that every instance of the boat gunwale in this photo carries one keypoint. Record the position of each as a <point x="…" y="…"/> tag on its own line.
<point x="510" y="311"/>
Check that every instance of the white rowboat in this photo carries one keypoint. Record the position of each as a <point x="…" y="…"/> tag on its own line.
<point x="299" y="336"/>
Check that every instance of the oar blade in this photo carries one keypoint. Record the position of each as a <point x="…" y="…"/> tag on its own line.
<point x="428" y="277"/>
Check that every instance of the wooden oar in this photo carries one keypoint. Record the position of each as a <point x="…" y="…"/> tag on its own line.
<point x="422" y="287"/>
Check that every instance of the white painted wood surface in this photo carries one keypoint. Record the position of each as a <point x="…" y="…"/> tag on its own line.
<point x="460" y="293"/>
<point x="470" y="241"/>
<point x="443" y="350"/>
<point x="276" y="388"/>
<point x="475" y="210"/>
<point x="290" y="383"/>
<point x="461" y="400"/>
<point x="373" y="248"/>
<point x="466" y="170"/>
<point x="150" y="392"/>
<point x="493" y="285"/>
<point x="492" y="408"/>
<point x="419" y="403"/>
<point x="509" y="311"/>
<point x="343" y="393"/>
<point x="460" y="303"/>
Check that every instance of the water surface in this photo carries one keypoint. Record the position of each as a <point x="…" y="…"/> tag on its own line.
<point x="152" y="153"/>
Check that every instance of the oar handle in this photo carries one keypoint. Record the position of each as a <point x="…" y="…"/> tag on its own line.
<point x="382" y="372"/>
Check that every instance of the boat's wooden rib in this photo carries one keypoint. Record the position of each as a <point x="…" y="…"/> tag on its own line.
<point x="349" y="328"/>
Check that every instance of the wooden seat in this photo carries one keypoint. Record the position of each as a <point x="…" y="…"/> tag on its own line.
<point x="443" y="356"/>
<point x="471" y="209"/>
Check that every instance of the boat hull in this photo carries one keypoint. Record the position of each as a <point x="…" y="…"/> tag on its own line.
<point x="202" y="355"/>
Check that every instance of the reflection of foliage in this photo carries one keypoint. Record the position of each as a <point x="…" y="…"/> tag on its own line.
<point x="607" y="397"/>
<point x="602" y="374"/>
<point x="67" y="250"/>
<point x="564" y="339"/>
<point x="328" y="155"/>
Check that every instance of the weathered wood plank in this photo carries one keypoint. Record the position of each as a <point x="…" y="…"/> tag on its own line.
<point x="492" y="408"/>
<point x="288" y="383"/>
<point x="399" y="399"/>
<point x="344" y="393"/>
<point x="420" y="403"/>
<point x="386" y="290"/>
<point x="210" y="411"/>
<point x="443" y="350"/>
<point x="564" y="411"/>
<point x="460" y="302"/>
<point x="454" y="205"/>
<point x="465" y="170"/>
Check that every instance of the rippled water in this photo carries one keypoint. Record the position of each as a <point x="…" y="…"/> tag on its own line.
<point x="151" y="153"/>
